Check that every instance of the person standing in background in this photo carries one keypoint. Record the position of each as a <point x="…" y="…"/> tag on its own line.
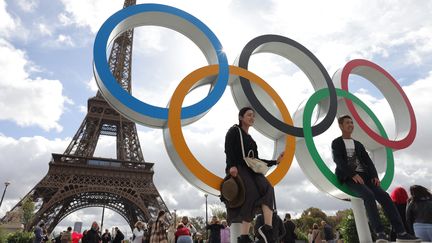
<point x="158" y="229"/>
<point x="138" y="232"/>
<point x="328" y="232"/>
<point x="67" y="236"/>
<point x="289" y="225"/>
<point x="38" y="232"/>
<point x="106" y="237"/>
<point x="399" y="197"/>
<point x="119" y="236"/>
<point x="225" y="232"/>
<point x="419" y="212"/>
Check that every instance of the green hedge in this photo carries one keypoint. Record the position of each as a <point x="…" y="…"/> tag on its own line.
<point x="20" y="237"/>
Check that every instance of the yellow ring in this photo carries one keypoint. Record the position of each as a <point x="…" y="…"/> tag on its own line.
<point x="178" y="140"/>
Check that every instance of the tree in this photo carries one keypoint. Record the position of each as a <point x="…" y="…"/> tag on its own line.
<point x="348" y="228"/>
<point x="219" y="211"/>
<point x="28" y="208"/>
<point x="2" y="236"/>
<point x="309" y="217"/>
<point x="314" y="213"/>
<point x="198" y="223"/>
<point x="20" y="237"/>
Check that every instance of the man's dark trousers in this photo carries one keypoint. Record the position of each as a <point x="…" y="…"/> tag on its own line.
<point x="369" y="193"/>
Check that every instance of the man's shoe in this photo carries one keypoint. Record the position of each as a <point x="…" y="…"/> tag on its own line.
<point x="381" y="238"/>
<point x="405" y="237"/>
<point x="266" y="233"/>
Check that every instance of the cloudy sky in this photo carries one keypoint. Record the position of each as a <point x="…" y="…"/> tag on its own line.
<point x="46" y="67"/>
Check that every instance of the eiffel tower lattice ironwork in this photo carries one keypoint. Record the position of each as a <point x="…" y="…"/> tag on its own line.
<point x="77" y="180"/>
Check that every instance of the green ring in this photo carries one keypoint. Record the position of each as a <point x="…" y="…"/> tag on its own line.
<point x="307" y="115"/>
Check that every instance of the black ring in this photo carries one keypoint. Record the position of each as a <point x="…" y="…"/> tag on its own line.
<point x="243" y="62"/>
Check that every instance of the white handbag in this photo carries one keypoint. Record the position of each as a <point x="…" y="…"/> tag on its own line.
<point x="255" y="164"/>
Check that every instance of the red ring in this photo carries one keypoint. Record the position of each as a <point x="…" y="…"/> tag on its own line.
<point x="397" y="144"/>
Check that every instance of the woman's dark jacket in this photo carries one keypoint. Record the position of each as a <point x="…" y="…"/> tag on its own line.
<point x="419" y="211"/>
<point x="234" y="154"/>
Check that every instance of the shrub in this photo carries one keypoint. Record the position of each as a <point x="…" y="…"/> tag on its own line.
<point x="20" y="237"/>
<point x="348" y="228"/>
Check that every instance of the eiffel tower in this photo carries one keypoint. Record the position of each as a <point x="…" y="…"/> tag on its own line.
<point x="76" y="179"/>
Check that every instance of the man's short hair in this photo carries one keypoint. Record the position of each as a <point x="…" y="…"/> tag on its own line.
<point x="69" y="228"/>
<point x="342" y="118"/>
<point x="288" y="216"/>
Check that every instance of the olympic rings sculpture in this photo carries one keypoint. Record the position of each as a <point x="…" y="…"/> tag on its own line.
<point x="294" y="136"/>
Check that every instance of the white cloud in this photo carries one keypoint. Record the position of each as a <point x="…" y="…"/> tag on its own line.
<point x="24" y="100"/>
<point x="420" y="42"/>
<point x="89" y="13"/>
<point x="419" y="95"/>
<point x="149" y="41"/>
<point x="355" y="28"/>
<point x="28" y="5"/>
<point x="64" y="19"/>
<point x="7" y="23"/>
<point x="25" y="162"/>
<point x="44" y="29"/>
<point x="82" y="109"/>
<point x="65" y="40"/>
<point x="91" y="84"/>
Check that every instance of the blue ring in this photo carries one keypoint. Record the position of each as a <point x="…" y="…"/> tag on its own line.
<point x="102" y="67"/>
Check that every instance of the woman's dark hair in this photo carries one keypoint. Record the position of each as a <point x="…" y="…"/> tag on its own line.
<point x="160" y="214"/>
<point x="418" y="192"/>
<point x="242" y="112"/>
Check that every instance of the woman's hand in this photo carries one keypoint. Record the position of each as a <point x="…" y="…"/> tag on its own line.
<point x="233" y="171"/>
<point x="280" y="158"/>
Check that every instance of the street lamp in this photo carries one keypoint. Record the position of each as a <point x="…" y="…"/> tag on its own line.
<point x="103" y="212"/>
<point x="175" y="218"/>
<point x="206" y="195"/>
<point x="6" y="185"/>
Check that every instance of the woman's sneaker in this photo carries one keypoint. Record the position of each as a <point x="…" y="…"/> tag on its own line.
<point x="405" y="237"/>
<point x="266" y="233"/>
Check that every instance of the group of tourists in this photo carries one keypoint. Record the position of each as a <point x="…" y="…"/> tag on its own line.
<point x="161" y="230"/>
<point x="92" y="235"/>
<point x="323" y="233"/>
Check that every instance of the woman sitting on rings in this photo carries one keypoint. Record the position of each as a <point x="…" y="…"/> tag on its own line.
<point x="259" y="193"/>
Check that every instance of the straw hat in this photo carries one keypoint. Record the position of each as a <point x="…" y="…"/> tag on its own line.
<point x="233" y="191"/>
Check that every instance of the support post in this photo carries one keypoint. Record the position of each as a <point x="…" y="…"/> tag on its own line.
<point x="234" y="231"/>
<point x="206" y="195"/>
<point x="103" y="212"/>
<point x="361" y="220"/>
